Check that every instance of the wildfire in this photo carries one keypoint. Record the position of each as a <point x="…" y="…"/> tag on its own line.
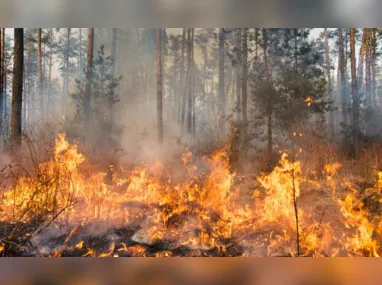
<point x="202" y="211"/>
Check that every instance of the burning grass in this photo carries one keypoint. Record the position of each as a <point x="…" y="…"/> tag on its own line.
<point x="192" y="207"/>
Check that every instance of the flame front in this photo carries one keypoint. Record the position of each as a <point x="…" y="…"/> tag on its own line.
<point x="201" y="208"/>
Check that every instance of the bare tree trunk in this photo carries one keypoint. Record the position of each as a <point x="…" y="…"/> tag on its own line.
<point x="159" y="86"/>
<point x="114" y="56"/>
<point x="28" y="99"/>
<point x="50" y="73"/>
<point x="368" y="69"/>
<point x="205" y="55"/>
<point x="238" y="75"/>
<point x="189" y="76"/>
<point x="361" y="61"/>
<point x="80" y="55"/>
<point x="330" y="93"/>
<point x="222" y="96"/>
<point x="4" y="75"/>
<point x="66" y="78"/>
<point x="270" y="104"/>
<point x="17" y="88"/>
<point x="244" y="82"/>
<point x="89" y="75"/>
<point x="343" y="78"/>
<point x="1" y="86"/>
<point x="354" y="92"/>
<point x="193" y="85"/>
<point x="40" y="79"/>
<point x="373" y="66"/>
<point x="183" y="93"/>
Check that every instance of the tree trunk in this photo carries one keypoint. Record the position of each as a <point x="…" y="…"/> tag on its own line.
<point x="222" y="96"/>
<point x="244" y="82"/>
<point x="4" y="77"/>
<point x="66" y="78"/>
<point x="343" y="78"/>
<point x="40" y="79"/>
<point x="368" y="69"/>
<point x="80" y="54"/>
<point x="330" y="91"/>
<point x="1" y="86"/>
<point x="183" y="93"/>
<point x="354" y="92"/>
<point x="361" y="59"/>
<point x="28" y="99"/>
<point x="205" y="55"/>
<point x="189" y="71"/>
<point x="159" y="86"/>
<point x="270" y="106"/>
<point x="373" y="67"/>
<point x="114" y="56"/>
<point x="50" y="73"/>
<point x="89" y="75"/>
<point x="193" y="85"/>
<point x="17" y="88"/>
<point x="238" y="75"/>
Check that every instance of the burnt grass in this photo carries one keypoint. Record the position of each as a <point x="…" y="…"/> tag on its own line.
<point x="100" y="243"/>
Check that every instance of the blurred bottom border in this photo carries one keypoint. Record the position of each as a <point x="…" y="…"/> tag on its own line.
<point x="296" y="271"/>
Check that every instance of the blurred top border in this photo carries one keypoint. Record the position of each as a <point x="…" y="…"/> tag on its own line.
<point x="190" y="13"/>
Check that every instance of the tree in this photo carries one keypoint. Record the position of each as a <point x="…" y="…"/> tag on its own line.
<point x="80" y="53"/>
<point x="114" y="56"/>
<point x="354" y="91"/>
<point x="193" y="83"/>
<point x="89" y="75"/>
<point x="237" y="65"/>
<point x="222" y="96"/>
<point x="49" y="99"/>
<point x="17" y="88"/>
<point x="270" y="103"/>
<point x="1" y="86"/>
<point x="40" y="76"/>
<point x="183" y="92"/>
<point x="244" y="81"/>
<point x="159" y="86"/>
<point x="344" y="100"/>
<point x="330" y="96"/>
<point x="189" y="82"/>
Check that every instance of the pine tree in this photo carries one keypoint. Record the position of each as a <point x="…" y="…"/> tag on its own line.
<point x="159" y="86"/>
<point x="17" y="88"/>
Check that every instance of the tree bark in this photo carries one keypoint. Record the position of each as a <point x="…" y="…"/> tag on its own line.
<point x="222" y="96"/>
<point x="114" y="56"/>
<point x="354" y="92"/>
<point x="189" y="91"/>
<point x="1" y="86"/>
<point x="330" y="91"/>
<point x="80" y="54"/>
<point x="89" y="75"/>
<point x="183" y="93"/>
<point x="4" y="77"/>
<point x="17" y="88"/>
<point x="49" y="99"/>
<point x="368" y="69"/>
<point x="40" y="78"/>
<point x="193" y="84"/>
<point x="244" y="82"/>
<point x="270" y="104"/>
<point x="66" y="78"/>
<point x="343" y="78"/>
<point x="159" y="86"/>
<point x="373" y="66"/>
<point x="238" y="75"/>
<point x="361" y="59"/>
